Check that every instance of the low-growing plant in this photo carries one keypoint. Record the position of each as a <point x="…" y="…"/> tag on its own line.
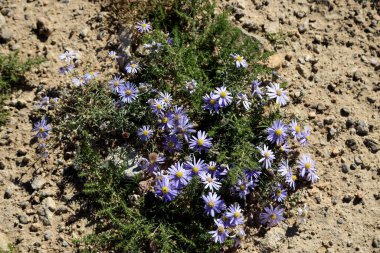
<point x="186" y="141"/>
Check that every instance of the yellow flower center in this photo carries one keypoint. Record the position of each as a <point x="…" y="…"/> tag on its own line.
<point x="165" y="190"/>
<point x="294" y="177"/>
<point x="220" y="230"/>
<point x="225" y="218"/>
<point x="166" y="100"/>
<point x="278" y="132"/>
<point x="278" y="92"/>
<point x="298" y="129"/>
<point x="212" y="101"/>
<point x="195" y="169"/>
<point x="242" y="187"/>
<point x="278" y="192"/>
<point x="133" y="65"/>
<point x="273" y="216"/>
<point x="239" y="58"/>
<point x="223" y="94"/>
<point x="211" y="203"/>
<point x="200" y="142"/>
<point x="171" y="144"/>
<point x="41" y="130"/>
<point x="165" y="120"/>
<point x="267" y="154"/>
<point x="128" y="92"/>
<point x="145" y="132"/>
<point x="237" y="214"/>
<point x="308" y="137"/>
<point x="116" y="83"/>
<point x="144" y="25"/>
<point x="307" y="166"/>
<point x="176" y="117"/>
<point x="179" y="174"/>
<point x="158" y="106"/>
<point x="212" y="168"/>
<point x="210" y="180"/>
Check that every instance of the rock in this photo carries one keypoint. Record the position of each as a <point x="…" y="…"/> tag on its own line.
<point x="351" y="143"/>
<point x="23" y="204"/>
<point x="357" y="160"/>
<point x="5" y="34"/>
<point x="4" y="241"/>
<point x="311" y="115"/>
<point x="353" y="166"/>
<point x="8" y="193"/>
<point x="21" y="152"/>
<point x="2" y="165"/>
<point x="300" y="14"/>
<point x="250" y="27"/>
<point x="38" y="183"/>
<point x="62" y="210"/>
<point x="48" y="235"/>
<point x="275" y="61"/>
<point x="372" y="145"/>
<point x="345" y="112"/>
<point x="321" y="108"/>
<point x="34" y="228"/>
<point x="344" y="168"/>
<point x="271" y="27"/>
<point x="84" y="32"/>
<point x="328" y="121"/>
<point x="302" y="70"/>
<point x="272" y="239"/>
<point x="43" y="29"/>
<point x="371" y="100"/>
<point x="49" y="203"/>
<point x="362" y="128"/>
<point x="302" y="28"/>
<point x="376" y="242"/>
<point x="358" y="75"/>
<point x="350" y="123"/>
<point x="2" y="20"/>
<point x="347" y="198"/>
<point x="23" y="219"/>
<point x="124" y="49"/>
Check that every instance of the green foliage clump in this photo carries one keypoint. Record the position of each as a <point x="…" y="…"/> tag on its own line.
<point x="12" y="71"/>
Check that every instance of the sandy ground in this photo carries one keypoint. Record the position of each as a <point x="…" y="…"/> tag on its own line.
<point x="329" y="53"/>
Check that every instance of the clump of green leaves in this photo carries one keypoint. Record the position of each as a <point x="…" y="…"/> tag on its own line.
<point x="12" y="71"/>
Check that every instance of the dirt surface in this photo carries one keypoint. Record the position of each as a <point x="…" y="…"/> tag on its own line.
<point x="328" y="51"/>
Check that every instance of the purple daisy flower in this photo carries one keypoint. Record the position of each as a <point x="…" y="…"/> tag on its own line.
<point x="132" y="67"/>
<point x="157" y="106"/>
<point x="116" y="83"/>
<point x="185" y="128"/>
<point x="90" y="75"/>
<point x="166" y="121"/>
<point x="113" y="55"/>
<point x="154" y="161"/>
<point x="178" y="175"/>
<point x="284" y="168"/>
<point x="143" y="26"/>
<point x="220" y="234"/>
<point x="225" y="220"/>
<point x="277" y="132"/>
<point x="191" y="85"/>
<point x="68" y="56"/>
<point x="242" y="188"/>
<point x="178" y="113"/>
<point x="212" y="168"/>
<point x="223" y="96"/>
<point x="201" y="142"/>
<point x="256" y="89"/>
<point x="235" y="215"/>
<point x="42" y="150"/>
<point x="213" y="204"/>
<point x="145" y="133"/>
<point x="128" y="92"/>
<point x="165" y="189"/>
<point x="267" y="156"/>
<point x="285" y="147"/>
<point x="172" y="143"/>
<point x="295" y="129"/>
<point x="78" y="81"/>
<point x="210" y="182"/>
<point x="305" y="164"/>
<point x="211" y="104"/>
<point x="275" y="92"/>
<point x="290" y="179"/>
<point x="279" y="193"/>
<point x="66" y="69"/>
<point x="272" y="216"/>
<point x="143" y="163"/>
<point x="239" y="236"/>
<point x="305" y="136"/>
<point x="242" y="99"/>
<point x="239" y="61"/>
<point x="165" y="97"/>
<point x="42" y="128"/>
<point x="196" y="167"/>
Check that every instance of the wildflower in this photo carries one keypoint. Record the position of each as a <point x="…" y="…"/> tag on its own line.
<point x="279" y="194"/>
<point x="256" y="89"/>
<point x="284" y="168"/>
<point x="143" y="26"/>
<point x="132" y="68"/>
<point x="272" y="216"/>
<point x="239" y="61"/>
<point x="178" y="113"/>
<point x="144" y="87"/>
<point x="113" y="55"/>
<point x="185" y="128"/>
<point x="154" y="161"/>
<point x="239" y="236"/>
<point x="191" y="85"/>
<point x="44" y="103"/>
<point x="116" y="83"/>
<point x="66" y="69"/>
<point x="42" y="128"/>
<point x="235" y="215"/>
<point x="243" y="100"/>
<point x="290" y="179"/>
<point x="285" y="147"/>
<point x="42" y="150"/>
<point x="212" y="168"/>
<point x="306" y="164"/>
<point x="196" y="167"/>
<point x="211" y="104"/>
<point x="302" y="214"/>
<point x="225" y="220"/>
<point x="295" y="129"/>
<point x="210" y="182"/>
<point x="78" y="81"/>
<point x="252" y="174"/>
<point x="222" y="170"/>
<point x="220" y="234"/>
<point x="166" y="121"/>
<point x="267" y="156"/>
<point x="165" y="189"/>
<point x="201" y="142"/>
<point x="165" y="97"/>
<point x="145" y="133"/>
<point x="275" y="92"/>
<point x="90" y="75"/>
<point x="222" y="96"/>
<point x="277" y="132"/>
<point x="68" y="56"/>
<point x="143" y="163"/>
<point x="178" y="175"/>
<point x="242" y="188"/>
<point x="128" y="92"/>
<point x="172" y="143"/>
<point x="213" y="204"/>
<point x="157" y="106"/>
<point x="305" y="137"/>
